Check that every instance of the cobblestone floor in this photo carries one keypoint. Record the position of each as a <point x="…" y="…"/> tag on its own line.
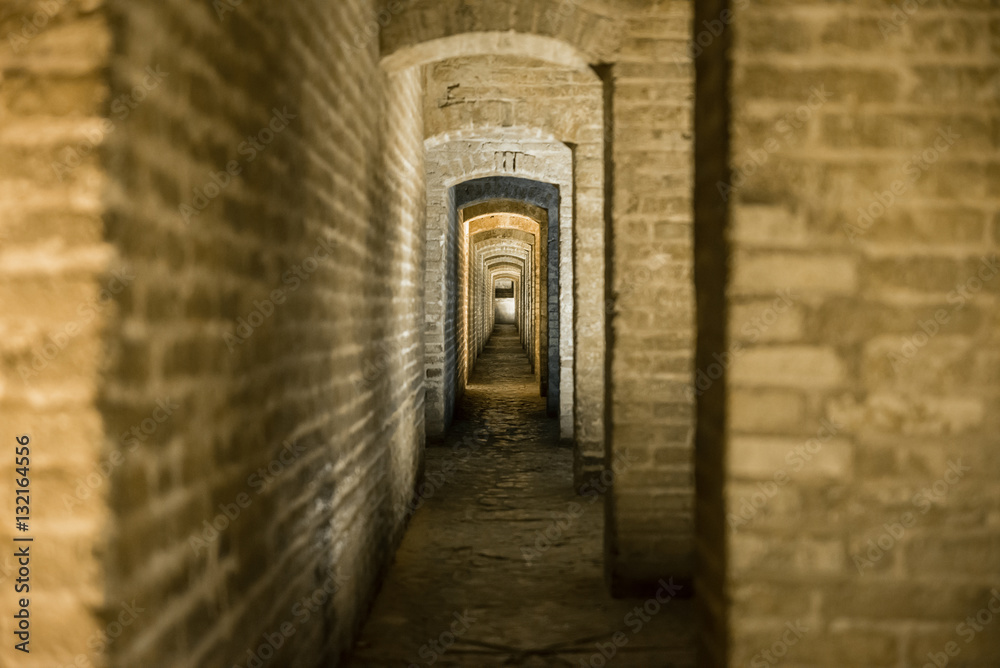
<point x="473" y="583"/>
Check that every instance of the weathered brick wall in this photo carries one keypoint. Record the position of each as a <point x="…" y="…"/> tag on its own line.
<point x="650" y="300"/>
<point x="59" y="283"/>
<point x="279" y="317"/>
<point x="861" y="499"/>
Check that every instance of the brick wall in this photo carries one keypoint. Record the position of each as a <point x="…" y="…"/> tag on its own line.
<point x="650" y="301"/>
<point x="280" y="316"/>
<point x="863" y="302"/>
<point x="59" y="284"/>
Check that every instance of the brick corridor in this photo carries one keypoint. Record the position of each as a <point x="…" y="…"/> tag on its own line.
<point x="461" y="573"/>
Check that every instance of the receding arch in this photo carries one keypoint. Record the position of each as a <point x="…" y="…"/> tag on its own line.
<point x="499" y="253"/>
<point x="558" y="31"/>
<point x="544" y="196"/>
<point x="499" y="206"/>
<point x="533" y="329"/>
<point x="588" y="266"/>
<point x="450" y="164"/>
<point x="508" y="249"/>
<point x="582" y="134"/>
<point x="493" y="43"/>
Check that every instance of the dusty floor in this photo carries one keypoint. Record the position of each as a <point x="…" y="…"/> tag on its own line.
<point x="477" y="583"/>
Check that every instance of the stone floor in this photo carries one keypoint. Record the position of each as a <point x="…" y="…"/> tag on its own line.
<point x="476" y="581"/>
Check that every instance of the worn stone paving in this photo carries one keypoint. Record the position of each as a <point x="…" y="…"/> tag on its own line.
<point x="476" y="582"/>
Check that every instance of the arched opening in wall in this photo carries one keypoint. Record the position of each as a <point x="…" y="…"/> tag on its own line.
<point x="512" y="241"/>
<point x="492" y="243"/>
<point x="494" y="258"/>
<point x="508" y="170"/>
<point x="533" y="212"/>
<point x="484" y="117"/>
<point x="615" y="144"/>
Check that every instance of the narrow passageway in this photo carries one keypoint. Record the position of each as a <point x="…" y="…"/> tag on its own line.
<point x="501" y="563"/>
